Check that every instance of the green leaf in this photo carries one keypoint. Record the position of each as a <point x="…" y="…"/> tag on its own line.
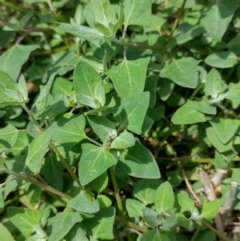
<point x="164" y="198"/>
<point x="85" y="79"/>
<point x="225" y="129"/>
<point x="94" y="161"/>
<point x="104" y="16"/>
<point x="92" y="35"/>
<point x="153" y="235"/>
<point x="52" y="170"/>
<point x="100" y="183"/>
<point x="9" y="91"/>
<point x="233" y="94"/>
<point x="211" y="209"/>
<point x="151" y="217"/>
<point x="69" y="131"/>
<point x="218" y="18"/>
<point x="138" y="161"/>
<point x="124" y="140"/>
<point x="203" y="106"/>
<point x="104" y="201"/>
<point x="24" y="219"/>
<point x="183" y="72"/>
<point x="37" y="150"/>
<point x="214" y="85"/>
<point x="166" y="88"/>
<point x="185" y="202"/>
<point x="1" y="195"/>
<point x="145" y="190"/>
<point x="5" y="234"/>
<point x="62" y="86"/>
<point x="137" y="13"/>
<point x="186" y="114"/>
<point x="184" y="33"/>
<point x="132" y="112"/>
<point x="103" y="127"/>
<point x="222" y="60"/>
<point x="84" y="202"/>
<point x="15" y="56"/>
<point x="42" y="98"/>
<point x="234" y="44"/>
<point x="216" y="142"/>
<point x="22" y="89"/>
<point x="101" y="225"/>
<point x="76" y="233"/>
<point x="134" y="208"/>
<point x="129" y="77"/>
<point x="8" y="136"/>
<point x="151" y="86"/>
<point x="60" y="225"/>
<point x="169" y="223"/>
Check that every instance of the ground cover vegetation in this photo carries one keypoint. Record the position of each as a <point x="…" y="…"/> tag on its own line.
<point x="119" y="120"/>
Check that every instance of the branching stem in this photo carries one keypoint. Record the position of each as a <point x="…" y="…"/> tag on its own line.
<point x="119" y="201"/>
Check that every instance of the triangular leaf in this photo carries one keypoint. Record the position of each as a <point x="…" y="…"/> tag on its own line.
<point x="225" y="129"/>
<point x="137" y="12"/>
<point x="186" y="114"/>
<point x="222" y="60"/>
<point x="218" y="18"/>
<point x="24" y="219"/>
<point x="37" y="150"/>
<point x="94" y="161"/>
<point x="8" y="136"/>
<point x="186" y="203"/>
<point x="84" y="203"/>
<point x="211" y="209"/>
<point x="89" y="34"/>
<point x="101" y="225"/>
<point x="164" y="198"/>
<point x="233" y="94"/>
<point x="69" y="131"/>
<point x="61" y="224"/>
<point x="182" y="71"/>
<point x="85" y="78"/>
<point x="129" y="77"/>
<point x="124" y="140"/>
<point x="131" y="113"/>
<point x="103" y="127"/>
<point x="216" y="142"/>
<point x="15" y="56"/>
<point x="138" y="161"/>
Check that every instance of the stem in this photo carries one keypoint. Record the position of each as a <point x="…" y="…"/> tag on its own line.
<point x="137" y="45"/>
<point x="93" y="141"/>
<point x="54" y="148"/>
<point x="32" y="117"/>
<point x="37" y="183"/>
<point x="195" y="233"/>
<point x="220" y="235"/>
<point x="14" y="6"/>
<point x="65" y="163"/>
<point x="119" y="201"/>
<point x="131" y="225"/>
<point x="177" y="20"/>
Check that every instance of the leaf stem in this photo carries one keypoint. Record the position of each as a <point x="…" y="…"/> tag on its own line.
<point x="37" y="183"/>
<point x="65" y="163"/>
<point x="137" y="45"/>
<point x="131" y="225"/>
<point x="93" y="141"/>
<point x="220" y="235"/>
<point x="177" y="20"/>
<point x="14" y="6"/>
<point x="53" y="147"/>
<point x="119" y="201"/>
